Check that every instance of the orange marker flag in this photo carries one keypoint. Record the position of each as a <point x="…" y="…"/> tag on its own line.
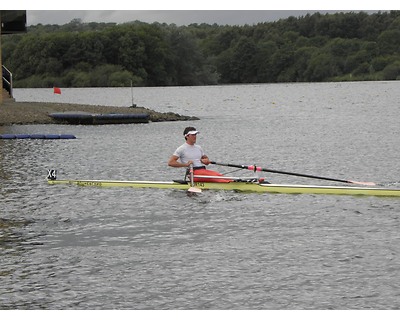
<point x="57" y="90"/>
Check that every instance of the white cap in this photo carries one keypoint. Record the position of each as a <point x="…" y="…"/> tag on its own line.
<point x="192" y="132"/>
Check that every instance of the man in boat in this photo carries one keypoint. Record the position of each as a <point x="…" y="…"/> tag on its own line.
<point x="191" y="153"/>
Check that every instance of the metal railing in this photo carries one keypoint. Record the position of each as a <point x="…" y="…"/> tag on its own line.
<point x="7" y="80"/>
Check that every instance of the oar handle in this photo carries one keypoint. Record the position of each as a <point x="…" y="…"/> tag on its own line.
<point x="252" y="168"/>
<point x="229" y="165"/>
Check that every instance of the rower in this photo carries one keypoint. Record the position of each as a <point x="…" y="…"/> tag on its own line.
<point x="191" y="153"/>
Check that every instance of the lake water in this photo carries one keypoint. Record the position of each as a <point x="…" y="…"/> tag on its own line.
<point x="66" y="247"/>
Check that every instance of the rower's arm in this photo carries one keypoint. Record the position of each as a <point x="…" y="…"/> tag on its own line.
<point x="173" y="162"/>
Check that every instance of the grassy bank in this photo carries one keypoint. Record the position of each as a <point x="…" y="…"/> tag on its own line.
<point x="12" y="112"/>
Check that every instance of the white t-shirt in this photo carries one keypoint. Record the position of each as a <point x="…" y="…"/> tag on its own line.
<point x="188" y="152"/>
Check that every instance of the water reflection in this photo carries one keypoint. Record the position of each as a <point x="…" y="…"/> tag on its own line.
<point x="12" y="237"/>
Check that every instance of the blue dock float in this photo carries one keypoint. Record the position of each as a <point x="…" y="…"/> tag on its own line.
<point x="37" y="136"/>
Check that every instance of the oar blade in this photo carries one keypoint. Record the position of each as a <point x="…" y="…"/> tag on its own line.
<point x="363" y="183"/>
<point x="194" y="190"/>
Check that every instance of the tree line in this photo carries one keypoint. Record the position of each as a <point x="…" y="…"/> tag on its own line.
<point x="315" y="47"/>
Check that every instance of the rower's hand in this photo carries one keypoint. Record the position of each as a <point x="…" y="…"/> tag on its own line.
<point x="205" y="161"/>
<point x="189" y="163"/>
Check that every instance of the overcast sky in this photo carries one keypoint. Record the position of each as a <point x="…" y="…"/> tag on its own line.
<point x="171" y="16"/>
<point x="184" y="12"/>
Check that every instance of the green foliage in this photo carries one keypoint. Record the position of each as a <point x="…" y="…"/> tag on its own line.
<point x="392" y="71"/>
<point x="329" y="47"/>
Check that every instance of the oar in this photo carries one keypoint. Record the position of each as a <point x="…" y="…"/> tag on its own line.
<point x="255" y="168"/>
<point x="192" y="187"/>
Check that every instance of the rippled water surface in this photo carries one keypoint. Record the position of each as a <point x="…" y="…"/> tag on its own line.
<point x="67" y="247"/>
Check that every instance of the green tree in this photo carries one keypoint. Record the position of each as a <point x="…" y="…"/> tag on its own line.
<point x="321" y="67"/>
<point x="389" y="42"/>
<point x="266" y="71"/>
<point x="185" y="56"/>
<point x="317" y="47"/>
<point x="392" y="71"/>
<point x="243" y="68"/>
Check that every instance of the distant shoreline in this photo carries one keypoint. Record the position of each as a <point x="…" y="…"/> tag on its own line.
<point x="19" y="113"/>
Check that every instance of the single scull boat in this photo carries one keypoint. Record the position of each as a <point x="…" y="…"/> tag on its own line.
<point x="237" y="184"/>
